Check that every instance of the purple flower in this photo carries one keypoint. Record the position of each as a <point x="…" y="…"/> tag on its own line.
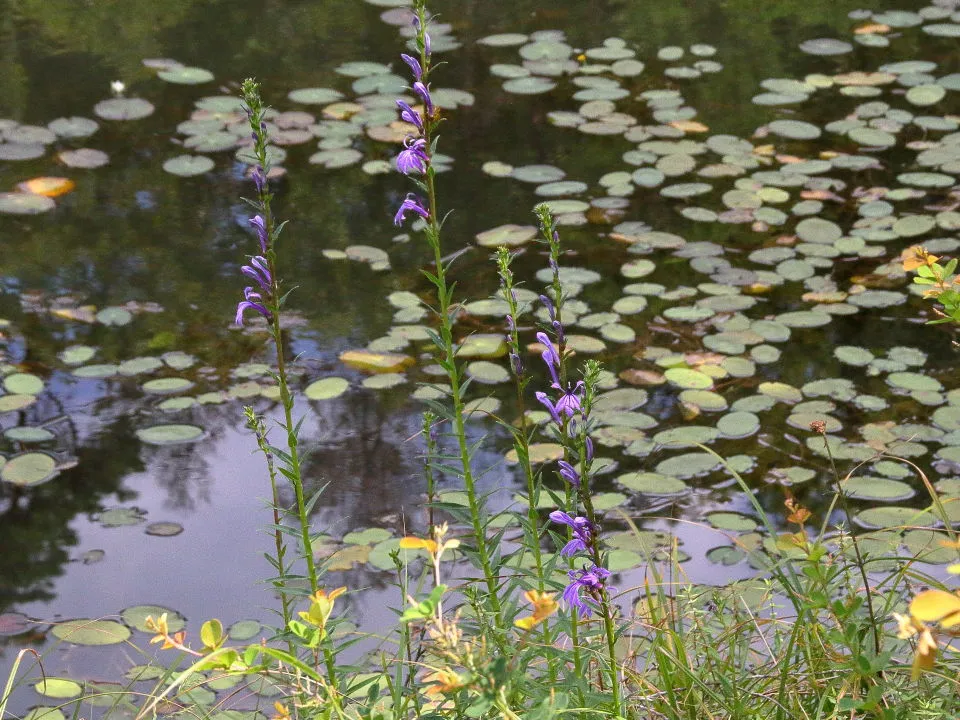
<point x="261" y="226"/>
<point x="569" y="402"/>
<point x="589" y="579"/>
<point x="259" y="179"/>
<point x="517" y="364"/>
<point x="589" y="445"/>
<point x="569" y="473"/>
<point x="413" y="158"/>
<point x="548" y="304"/>
<point x="252" y="301"/>
<point x="408" y="114"/>
<point x="412" y="204"/>
<point x="414" y="65"/>
<point x="550" y="357"/>
<point x="545" y="401"/>
<point x="426" y="44"/>
<point x="424" y="93"/>
<point x="259" y="271"/>
<point x="582" y="532"/>
<point x="558" y="329"/>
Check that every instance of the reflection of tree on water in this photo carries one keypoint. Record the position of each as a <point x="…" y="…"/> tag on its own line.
<point x="35" y="522"/>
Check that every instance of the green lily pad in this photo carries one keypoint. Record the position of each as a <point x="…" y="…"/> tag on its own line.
<point x="123" y="109"/>
<point x="868" y="487"/>
<point x="115" y="316"/>
<point x="183" y="75"/>
<point x="163" y="529"/>
<point x="91" y="632"/>
<point x="731" y="521"/>
<point x="244" y="630"/>
<point x="22" y="384"/>
<point x="507" y="236"/>
<point x="188" y="165"/>
<point x="22" y="203"/>
<point x="794" y="129"/>
<point x="486" y="372"/>
<point x="166" y="386"/>
<point x="136" y="617"/>
<point x="688" y="379"/>
<point x="29" y="469"/>
<point x="539" y="453"/>
<point x="59" y="688"/>
<point x="326" y="388"/>
<point x="688" y="465"/>
<point x="652" y="483"/>
<point x="739" y="424"/>
<point x="170" y="434"/>
<point x="894" y="516"/>
<point x="914" y="382"/>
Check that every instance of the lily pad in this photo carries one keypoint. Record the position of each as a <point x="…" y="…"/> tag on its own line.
<point x="123" y="109"/>
<point x="170" y="434"/>
<point x="28" y="469"/>
<point x="136" y="617"/>
<point x="59" y="688"/>
<point x="188" y="165"/>
<point x="184" y="75"/>
<point x="326" y="388"/>
<point x="91" y="632"/>
<point x="163" y="529"/>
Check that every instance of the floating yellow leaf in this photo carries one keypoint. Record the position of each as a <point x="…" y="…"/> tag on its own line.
<point x="689" y="126"/>
<point x="375" y="362"/>
<point x="872" y="28"/>
<point x="48" y="186"/>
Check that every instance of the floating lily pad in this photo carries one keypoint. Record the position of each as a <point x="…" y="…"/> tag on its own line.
<point x="170" y="434"/>
<point x="123" y="109"/>
<point x="731" y="521"/>
<point x="59" y="688"/>
<point x="326" y="388"/>
<point x="86" y="158"/>
<point x="163" y="529"/>
<point x="24" y="203"/>
<point x="166" y="386"/>
<point x="28" y="469"/>
<point x="825" y="46"/>
<point x="91" y="632"/>
<point x="188" y="165"/>
<point x="894" y="516"/>
<point x="653" y="483"/>
<point x="136" y="617"/>
<point x="867" y="487"/>
<point x="22" y="383"/>
<point x="376" y="362"/>
<point x="184" y="75"/>
<point x="507" y="236"/>
<point x="243" y="630"/>
<point x="26" y="434"/>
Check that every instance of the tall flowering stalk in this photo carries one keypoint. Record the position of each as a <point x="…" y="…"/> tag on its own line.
<point x="569" y="406"/>
<point x="415" y="161"/>
<point x="521" y="434"/>
<point x="265" y="298"/>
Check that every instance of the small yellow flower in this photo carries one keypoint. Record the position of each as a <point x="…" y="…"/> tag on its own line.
<point x="321" y="607"/>
<point x="415" y="543"/>
<point x="283" y="712"/>
<point x="543" y="607"/>
<point x="916" y="256"/>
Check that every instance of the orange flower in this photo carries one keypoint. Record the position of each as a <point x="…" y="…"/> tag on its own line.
<point x="415" y="543"/>
<point x="543" y="607"/>
<point x="444" y="681"/>
<point x="916" y="256"/>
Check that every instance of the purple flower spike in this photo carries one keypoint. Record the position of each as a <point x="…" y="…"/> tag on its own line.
<point x="569" y="402"/>
<point x="424" y="93"/>
<point x="258" y="222"/>
<point x="589" y="579"/>
<point x="411" y="204"/>
<point x="414" y="66"/>
<point x="259" y="272"/>
<point x="413" y="158"/>
<point x="550" y="357"/>
<point x="568" y="473"/>
<point x="545" y="401"/>
<point x="582" y="532"/>
<point x="259" y="179"/>
<point x="548" y="304"/>
<point x="408" y="114"/>
<point x="253" y="301"/>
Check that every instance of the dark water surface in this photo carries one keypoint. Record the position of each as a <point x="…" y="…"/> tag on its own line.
<point x="132" y="233"/>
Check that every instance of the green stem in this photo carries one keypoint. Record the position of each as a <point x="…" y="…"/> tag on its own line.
<point x="446" y="335"/>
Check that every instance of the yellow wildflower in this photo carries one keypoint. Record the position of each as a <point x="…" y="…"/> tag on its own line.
<point x="444" y="681"/>
<point x="321" y="606"/>
<point x="283" y="712"/>
<point x="543" y="607"/>
<point x="916" y="256"/>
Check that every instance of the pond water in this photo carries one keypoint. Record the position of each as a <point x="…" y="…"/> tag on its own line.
<point x="734" y="186"/>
